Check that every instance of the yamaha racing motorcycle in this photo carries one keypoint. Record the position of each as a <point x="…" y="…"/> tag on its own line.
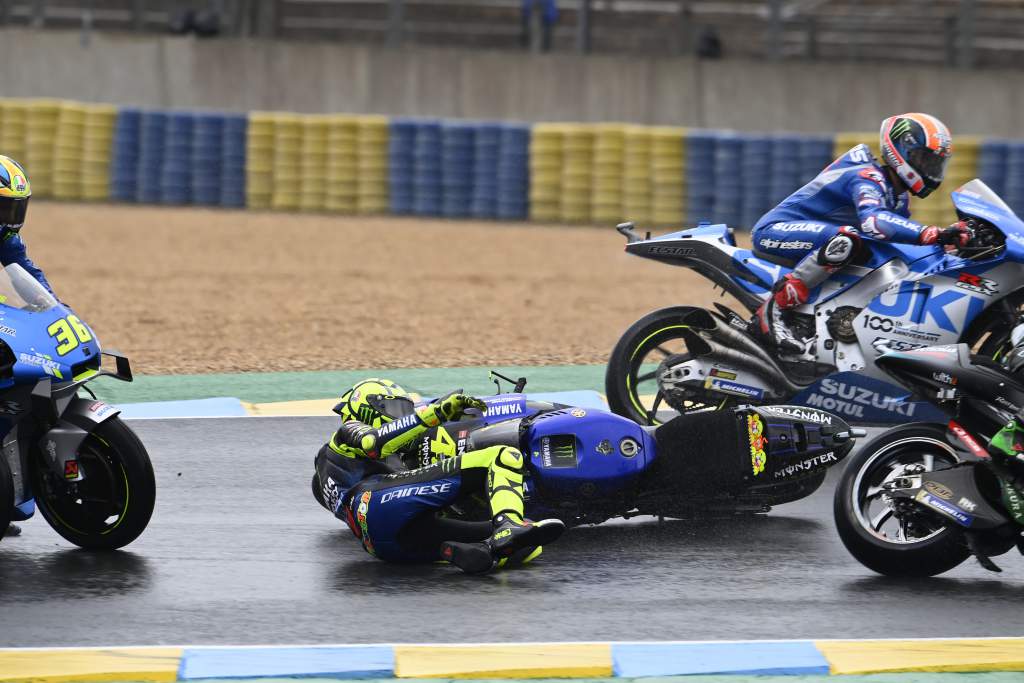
<point x="900" y="297"/>
<point x="921" y="498"/>
<point x="585" y="466"/>
<point x="70" y="456"/>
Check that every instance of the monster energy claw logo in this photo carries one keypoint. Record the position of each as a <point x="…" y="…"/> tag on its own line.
<point x="557" y="454"/>
<point x="901" y="127"/>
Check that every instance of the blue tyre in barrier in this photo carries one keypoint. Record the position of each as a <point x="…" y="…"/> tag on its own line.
<point x="401" y="165"/>
<point x="176" y="170"/>
<point x="232" y="167"/>
<point x="512" y="175"/>
<point x="152" y="135"/>
<point x="124" y="162"/>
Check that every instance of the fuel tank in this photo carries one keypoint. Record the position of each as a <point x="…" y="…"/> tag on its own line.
<point x="582" y="453"/>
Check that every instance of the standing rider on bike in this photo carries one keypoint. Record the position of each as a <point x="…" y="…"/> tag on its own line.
<point x="15" y="192"/>
<point x="827" y="223"/>
<point x="395" y="512"/>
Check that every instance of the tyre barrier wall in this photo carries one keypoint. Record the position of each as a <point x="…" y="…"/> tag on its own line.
<point x="548" y="172"/>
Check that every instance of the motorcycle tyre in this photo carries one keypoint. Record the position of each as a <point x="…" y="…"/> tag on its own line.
<point x="6" y="497"/>
<point x="928" y="558"/>
<point x="619" y="372"/>
<point x="131" y="455"/>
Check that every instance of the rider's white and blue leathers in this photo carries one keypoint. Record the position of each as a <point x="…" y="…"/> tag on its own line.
<point x="853" y="191"/>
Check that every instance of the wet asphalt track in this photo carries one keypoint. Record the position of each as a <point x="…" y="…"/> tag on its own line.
<point x="238" y="552"/>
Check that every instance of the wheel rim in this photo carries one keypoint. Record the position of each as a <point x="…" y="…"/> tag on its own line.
<point x="873" y="507"/>
<point x="98" y="503"/>
<point x="646" y="395"/>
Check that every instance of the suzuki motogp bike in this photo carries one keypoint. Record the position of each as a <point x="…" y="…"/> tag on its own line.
<point x="921" y="498"/>
<point x="585" y="466"/>
<point x="900" y="297"/>
<point x="70" y="456"/>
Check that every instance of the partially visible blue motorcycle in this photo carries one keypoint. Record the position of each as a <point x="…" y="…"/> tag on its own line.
<point x="70" y="456"/>
<point x="898" y="298"/>
<point x="585" y="466"/>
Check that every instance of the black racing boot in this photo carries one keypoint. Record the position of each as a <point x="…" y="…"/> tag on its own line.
<point x="521" y="558"/>
<point x="511" y="544"/>
<point x="510" y="537"/>
<point x="12" y="530"/>
<point x="472" y="558"/>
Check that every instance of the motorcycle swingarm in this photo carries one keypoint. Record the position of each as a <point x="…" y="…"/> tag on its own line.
<point x="705" y="374"/>
<point x="953" y="494"/>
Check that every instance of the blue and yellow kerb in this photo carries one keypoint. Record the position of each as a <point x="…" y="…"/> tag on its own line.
<point x="515" y="660"/>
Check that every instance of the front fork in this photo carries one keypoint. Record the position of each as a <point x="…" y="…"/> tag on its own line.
<point x="56" y="449"/>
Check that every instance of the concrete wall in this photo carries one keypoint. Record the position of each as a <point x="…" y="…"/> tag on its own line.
<point x="230" y="74"/>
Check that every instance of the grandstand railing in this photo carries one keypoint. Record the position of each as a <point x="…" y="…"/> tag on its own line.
<point x="949" y="32"/>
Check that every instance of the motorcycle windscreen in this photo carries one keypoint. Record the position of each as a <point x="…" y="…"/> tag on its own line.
<point x="20" y="290"/>
<point x="394" y="407"/>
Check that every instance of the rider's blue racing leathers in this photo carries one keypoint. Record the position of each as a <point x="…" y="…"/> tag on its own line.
<point x="853" y="191"/>
<point x="12" y="250"/>
<point x="820" y="228"/>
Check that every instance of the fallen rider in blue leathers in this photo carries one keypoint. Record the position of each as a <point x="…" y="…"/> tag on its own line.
<point x="824" y="225"/>
<point x="397" y="513"/>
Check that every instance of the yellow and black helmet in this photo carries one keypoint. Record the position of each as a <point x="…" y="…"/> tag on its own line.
<point x="15" y="191"/>
<point x="374" y="402"/>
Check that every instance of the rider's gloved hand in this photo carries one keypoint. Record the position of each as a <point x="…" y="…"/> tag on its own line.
<point x="957" y="235"/>
<point x="452" y="406"/>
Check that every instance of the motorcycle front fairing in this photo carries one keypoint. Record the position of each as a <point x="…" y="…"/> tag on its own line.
<point x="928" y="297"/>
<point x="46" y="353"/>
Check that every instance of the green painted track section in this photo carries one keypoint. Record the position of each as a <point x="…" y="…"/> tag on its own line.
<point x="267" y="387"/>
<point x="1003" y="677"/>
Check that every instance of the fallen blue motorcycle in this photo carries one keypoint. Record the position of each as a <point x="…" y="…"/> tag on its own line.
<point x="70" y="456"/>
<point x="585" y="466"/>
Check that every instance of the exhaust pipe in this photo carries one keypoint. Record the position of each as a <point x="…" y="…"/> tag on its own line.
<point x="728" y="335"/>
<point x="736" y="348"/>
<point x="701" y="346"/>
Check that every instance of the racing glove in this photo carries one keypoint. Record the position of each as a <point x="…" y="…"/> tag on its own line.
<point x="958" y="235"/>
<point x="452" y="406"/>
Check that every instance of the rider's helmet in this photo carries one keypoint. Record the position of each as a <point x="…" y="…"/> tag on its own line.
<point x="15" y="191"/>
<point x="374" y="402"/>
<point x="917" y="147"/>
